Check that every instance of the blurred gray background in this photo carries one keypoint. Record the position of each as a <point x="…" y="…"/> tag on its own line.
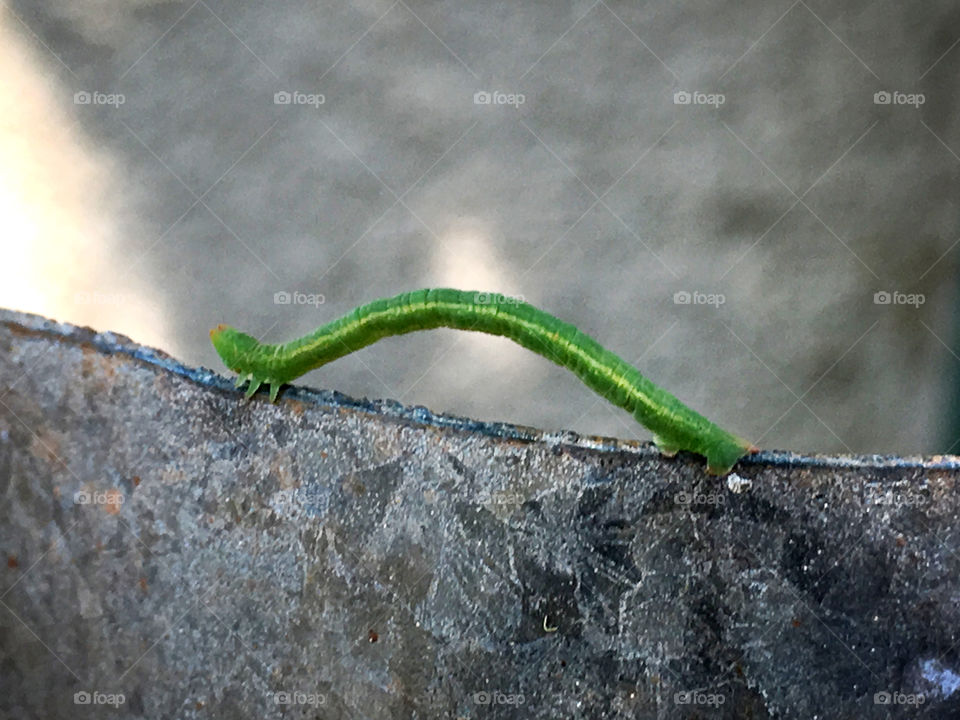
<point x="782" y="163"/>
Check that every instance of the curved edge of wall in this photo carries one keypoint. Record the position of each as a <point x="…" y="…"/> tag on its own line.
<point x="175" y="551"/>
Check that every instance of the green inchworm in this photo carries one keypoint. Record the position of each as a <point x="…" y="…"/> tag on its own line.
<point x="674" y="425"/>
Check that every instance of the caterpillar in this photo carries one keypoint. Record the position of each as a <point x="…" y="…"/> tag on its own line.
<point x="674" y="426"/>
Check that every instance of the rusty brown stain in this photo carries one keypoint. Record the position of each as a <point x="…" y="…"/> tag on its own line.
<point x="89" y="359"/>
<point x="114" y="501"/>
<point x="21" y="331"/>
<point x="82" y="337"/>
<point x="143" y="585"/>
<point x="12" y="561"/>
<point x="136" y="480"/>
<point x="515" y="442"/>
<point x="109" y="368"/>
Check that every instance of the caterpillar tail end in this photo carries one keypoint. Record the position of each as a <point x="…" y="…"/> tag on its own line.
<point x="721" y="461"/>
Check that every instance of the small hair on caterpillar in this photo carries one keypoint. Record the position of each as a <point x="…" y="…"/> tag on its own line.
<point x="674" y="426"/>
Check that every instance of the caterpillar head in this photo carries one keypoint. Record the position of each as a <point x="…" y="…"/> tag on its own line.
<point x="238" y="352"/>
<point x="234" y="347"/>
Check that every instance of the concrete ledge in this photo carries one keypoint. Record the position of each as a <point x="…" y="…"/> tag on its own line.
<point x="200" y="556"/>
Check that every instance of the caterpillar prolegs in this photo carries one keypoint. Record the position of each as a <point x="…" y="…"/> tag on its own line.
<point x="674" y="426"/>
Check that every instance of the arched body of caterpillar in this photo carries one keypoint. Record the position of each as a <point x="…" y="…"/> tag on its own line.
<point x="675" y="426"/>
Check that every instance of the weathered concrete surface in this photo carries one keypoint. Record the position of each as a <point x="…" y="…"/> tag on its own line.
<point x="198" y="554"/>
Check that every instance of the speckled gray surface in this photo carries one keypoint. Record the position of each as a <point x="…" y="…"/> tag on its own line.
<point x="200" y="557"/>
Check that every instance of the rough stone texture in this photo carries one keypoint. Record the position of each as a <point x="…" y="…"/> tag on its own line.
<point x="378" y="561"/>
